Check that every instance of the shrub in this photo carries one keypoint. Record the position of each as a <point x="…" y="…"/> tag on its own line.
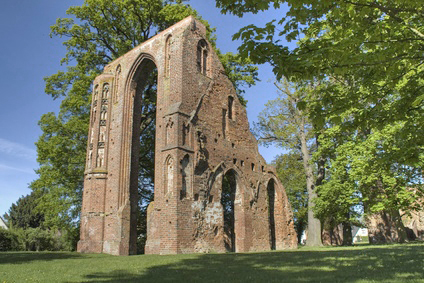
<point x="66" y="240"/>
<point x="7" y="240"/>
<point x="39" y="240"/>
<point x="36" y="239"/>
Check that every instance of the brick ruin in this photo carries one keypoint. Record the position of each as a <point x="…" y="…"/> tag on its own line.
<point x="415" y="223"/>
<point x="213" y="191"/>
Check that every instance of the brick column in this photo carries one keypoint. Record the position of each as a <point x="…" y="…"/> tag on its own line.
<point x="96" y="174"/>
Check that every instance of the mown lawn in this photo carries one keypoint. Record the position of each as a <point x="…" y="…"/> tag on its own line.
<point x="392" y="263"/>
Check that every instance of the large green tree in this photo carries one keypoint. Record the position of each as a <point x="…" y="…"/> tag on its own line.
<point x="368" y="174"/>
<point x="287" y="125"/>
<point x="373" y="47"/>
<point x="96" y="33"/>
<point x="23" y="214"/>
<point x="370" y="55"/>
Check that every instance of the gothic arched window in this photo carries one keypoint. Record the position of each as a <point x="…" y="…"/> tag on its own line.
<point x="202" y="56"/>
<point x="105" y="92"/>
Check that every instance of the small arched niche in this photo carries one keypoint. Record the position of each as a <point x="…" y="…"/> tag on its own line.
<point x="169" y="174"/>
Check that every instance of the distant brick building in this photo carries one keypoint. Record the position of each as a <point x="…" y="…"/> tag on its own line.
<point x="213" y="190"/>
<point x="415" y="223"/>
<point x="414" y="220"/>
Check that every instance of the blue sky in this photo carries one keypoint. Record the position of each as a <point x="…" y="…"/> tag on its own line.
<point x="27" y="54"/>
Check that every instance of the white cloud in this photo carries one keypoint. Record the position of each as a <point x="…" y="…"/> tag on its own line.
<point x="17" y="150"/>
<point x="23" y="170"/>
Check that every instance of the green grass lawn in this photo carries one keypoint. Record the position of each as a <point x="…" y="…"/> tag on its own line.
<point x="391" y="263"/>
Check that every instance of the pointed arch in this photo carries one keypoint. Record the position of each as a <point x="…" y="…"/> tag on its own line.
<point x="202" y="56"/>
<point x="228" y="201"/>
<point x="105" y="91"/>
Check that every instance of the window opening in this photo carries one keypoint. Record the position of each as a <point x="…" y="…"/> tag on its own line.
<point x="202" y="56"/>
<point x="228" y="196"/>
<point x="230" y="107"/>
<point x="271" y="216"/>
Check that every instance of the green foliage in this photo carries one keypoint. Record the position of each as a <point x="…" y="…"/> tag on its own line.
<point x="228" y="195"/>
<point x="37" y="239"/>
<point x="370" y="166"/>
<point x="34" y="239"/>
<point x="24" y="214"/>
<point x="282" y="120"/>
<point x="368" y="57"/>
<point x="373" y="49"/>
<point x="336" y="35"/>
<point x="6" y="240"/>
<point x="146" y="170"/>
<point x="364" y="173"/>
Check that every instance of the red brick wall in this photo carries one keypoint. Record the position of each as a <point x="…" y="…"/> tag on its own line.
<point x="192" y="124"/>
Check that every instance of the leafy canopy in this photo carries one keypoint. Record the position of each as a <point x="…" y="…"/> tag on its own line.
<point x="368" y="56"/>
<point x="24" y="214"/>
<point x="378" y="44"/>
<point x="369" y="52"/>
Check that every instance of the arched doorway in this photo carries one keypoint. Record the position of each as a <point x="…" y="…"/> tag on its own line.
<point x="145" y="81"/>
<point x="228" y="198"/>
<point x="271" y="213"/>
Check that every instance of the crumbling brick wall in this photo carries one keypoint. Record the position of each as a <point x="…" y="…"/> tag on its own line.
<point x="202" y="135"/>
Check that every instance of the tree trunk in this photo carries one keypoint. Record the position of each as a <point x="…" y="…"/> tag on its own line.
<point x="314" y="224"/>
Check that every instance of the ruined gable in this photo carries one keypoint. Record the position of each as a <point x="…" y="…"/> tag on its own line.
<point x="213" y="190"/>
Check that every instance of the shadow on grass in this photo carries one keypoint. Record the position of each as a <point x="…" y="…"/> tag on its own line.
<point x="26" y="257"/>
<point x="379" y="263"/>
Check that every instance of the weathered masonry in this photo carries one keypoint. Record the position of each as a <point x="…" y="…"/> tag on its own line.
<point x="213" y="190"/>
